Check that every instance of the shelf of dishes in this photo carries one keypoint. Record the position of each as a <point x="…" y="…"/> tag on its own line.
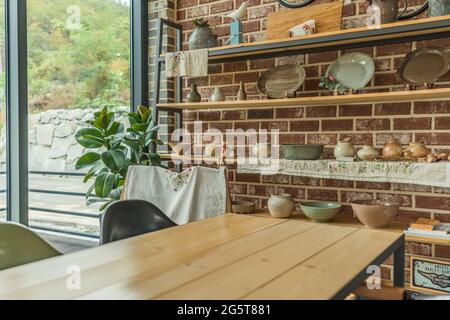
<point x="434" y="27"/>
<point x="378" y="97"/>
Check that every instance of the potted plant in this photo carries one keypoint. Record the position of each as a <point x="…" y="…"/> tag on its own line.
<point x="112" y="150"/>
<point x="202" y="36"/>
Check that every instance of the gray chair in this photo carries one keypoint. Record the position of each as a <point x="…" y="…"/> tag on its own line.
<point x="129" y="218"/>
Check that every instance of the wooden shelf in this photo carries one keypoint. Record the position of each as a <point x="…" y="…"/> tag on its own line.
<point x="404" y="31"/>
<point x="379" y="97"/>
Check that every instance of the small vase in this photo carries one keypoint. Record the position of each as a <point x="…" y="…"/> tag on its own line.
<point x="344" y="149"/>
<point x="281" y="206"/>
<point x="202" y="38"/>
<point x="193" y="95"/>
<point x="392" y="149"/>
<point x="242" y="95"/>
<point x="217" y="95"/>
<point x="368" y="153"/>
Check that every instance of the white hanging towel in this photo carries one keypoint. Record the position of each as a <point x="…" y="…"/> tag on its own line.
<point x="195" y="194"/>
<point x="193" y="63"/>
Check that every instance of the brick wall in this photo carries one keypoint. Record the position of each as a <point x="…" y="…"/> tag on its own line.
<point x="367" y="124"/>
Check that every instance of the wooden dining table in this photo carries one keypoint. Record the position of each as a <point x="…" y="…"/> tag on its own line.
<point x="231" y="257"/>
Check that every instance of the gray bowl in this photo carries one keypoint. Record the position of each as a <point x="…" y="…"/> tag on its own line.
<point x="303" y="151"/>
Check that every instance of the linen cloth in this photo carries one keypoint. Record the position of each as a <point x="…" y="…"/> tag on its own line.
<point x="195" y="194"/>
<point x="427" y="174"/>
<point x="192" y="63"/>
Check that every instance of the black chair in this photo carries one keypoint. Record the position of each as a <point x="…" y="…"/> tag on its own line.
<point x="130" y="218"/>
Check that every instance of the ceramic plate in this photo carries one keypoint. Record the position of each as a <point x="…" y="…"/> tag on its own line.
<point x="279" y="82"/>
<point x="423" y="66"/>
<point x="354" y="70"/>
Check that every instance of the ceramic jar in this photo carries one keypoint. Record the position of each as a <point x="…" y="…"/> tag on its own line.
<point x="368" y="153"/>
<point x="242" y="94"/>
<point x="217" y="95"/>
<point x="281" y="206"/>
<point x="193" y="95"/>
<point x="344" y="149"/>
<point x="392" y="149"/>
<point x="201" y="38"/>
<point x="416" y="150"/>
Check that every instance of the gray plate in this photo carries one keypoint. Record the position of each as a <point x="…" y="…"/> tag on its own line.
<point x="423" y="66"/>
<point x="354" y="70"/>
<point x="279" y="82"/>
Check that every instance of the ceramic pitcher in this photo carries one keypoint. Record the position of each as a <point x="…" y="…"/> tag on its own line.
<point x="389" y="9"/>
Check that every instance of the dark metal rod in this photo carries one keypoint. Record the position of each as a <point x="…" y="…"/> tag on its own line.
<point x="62" y="193"/>
<point x="80" y="234"/>
<point x="66" y="212"/>
<point x="399" y="267"/>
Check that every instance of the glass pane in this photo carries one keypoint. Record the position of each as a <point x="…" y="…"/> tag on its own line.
<point x="2" y="114"/>
<point x="79" y="62"/>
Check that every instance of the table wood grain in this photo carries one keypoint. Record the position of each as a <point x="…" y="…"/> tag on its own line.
<point x="228" y="257"/>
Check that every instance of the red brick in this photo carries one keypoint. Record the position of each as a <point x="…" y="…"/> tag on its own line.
<point x="328" y="56"/>
<point x="233" y="115"/>
<point x="350" y="196"/>
<point x="247" y="126"/>
<point x="392" y="109"/>
<point x="251" y="26"/>
<point x="434" y="138"/>
<point x="292" y="139"/>
<point x="305" y="181"/>
<point x="349" y="10"/>
<point x="442" y="123"/>
<point x="416" y="248"/>
<point x="382" y="65"/>
<point x="442" y="217"/>
<point x="262" y="64"/>
<point x="305" y="125"/>
<point x="358" y="139"/>
<point x="186" y="3"/>
<point x="201" y="11"/>
<point x="321" y="111"/>
<point x="235" y="66"/>
<point x="441" y="251"/>
<point x="238" y="188"/>
<point x="322" y="195"/>
<point x="326" y="139"/>
<point x="412" y="124"/>
<point x="410" y="216"/>
<point x="209" y="116"/>
<point x="393" y="49"/>
<point x="337" y="125"/>
<point x="260" y="114"/>
<point x="427" y="107"/>
<point x="373" y="185"/>
<point x="334" y="183"/>
<point x="221" y="79"/>
<point x="373" y="124"/>
<point x="289" y="113"/>
<point x="355" y="110"/>
<point x="215" y="68"/>
<point x="275" y="179"/>
<point x="248" y="177"/>
<point x="275" y="125"/>
<point x="260" y="190"/>
<point x="411" y="187"/>
<point x="181" y="15"/>
<point x="430" y="202"/>
<point x="221" y="7"/>
<point x="189" y="116"/>
<point x="222" y="126"/>
<point x="260" y="12"/>
<point x="383" y="79"/>
<point x="246" y="77"/>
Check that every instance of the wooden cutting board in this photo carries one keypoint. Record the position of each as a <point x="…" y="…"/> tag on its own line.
<point x="328" y="17"/>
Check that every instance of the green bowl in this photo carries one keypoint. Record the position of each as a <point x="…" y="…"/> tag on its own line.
<point x="321" y="211"/>
<point x="303" y="151"/>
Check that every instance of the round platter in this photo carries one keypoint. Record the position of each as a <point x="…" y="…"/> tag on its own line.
<point x="353" y="70"/>
<point x="423" y="66"/>
<point x="279" y="82"/>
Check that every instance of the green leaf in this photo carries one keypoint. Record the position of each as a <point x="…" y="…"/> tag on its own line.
<point x="103" y="207"/>
<point x="154" y="158"/>
<point x="87" y="160"/>
<point x="90" y="138"/>
<point x="94" y="200"/>
<point x="89" y="192"/>
<point x="115" y="128"/>
<point x="143" y="110"/>
<point x="104" y="184"/>
<point x="140" y="127"/>
<point x="114" y="159"/>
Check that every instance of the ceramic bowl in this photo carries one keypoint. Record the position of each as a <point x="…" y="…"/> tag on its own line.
<point x="321" y="211"/>
<point x="303" y="152"/>
<point x="243" y="207"/>
<point x="375" y="214"/>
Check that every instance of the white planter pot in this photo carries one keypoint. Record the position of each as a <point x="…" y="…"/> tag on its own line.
<point x="281" y="206"/>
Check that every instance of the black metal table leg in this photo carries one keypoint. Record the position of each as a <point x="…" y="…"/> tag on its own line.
<point x="399" y="266"/>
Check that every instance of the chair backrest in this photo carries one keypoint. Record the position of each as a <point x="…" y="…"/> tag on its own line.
<point x="19" y="245"/>
<point x="129" y="218"/>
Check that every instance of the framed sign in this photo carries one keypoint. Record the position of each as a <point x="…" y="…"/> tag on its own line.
<point x="430" y="275"/>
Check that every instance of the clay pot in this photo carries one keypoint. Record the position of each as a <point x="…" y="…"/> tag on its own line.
<point x="193" y="95"/>
<point x="417" y="150"/>
<point x="368" y="153"/>
<point x="202" y="37"/>
<point x="344" y="149"/>
<point x="242" y="94"/>
<point x="281" y="206"/>
<point x="375" y="214"/>
<point x="392" y="149"/>
<point x="217" y="95"/>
